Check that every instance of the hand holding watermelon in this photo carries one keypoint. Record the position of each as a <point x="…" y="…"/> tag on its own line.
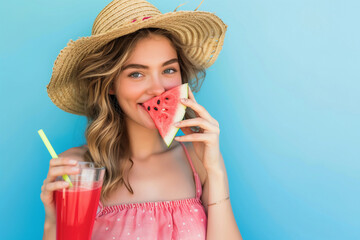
<point x="206" y="141"/>
<point x="166" y="110"/>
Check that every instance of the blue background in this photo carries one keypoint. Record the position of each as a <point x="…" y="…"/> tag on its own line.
<point x="285" y="90"/>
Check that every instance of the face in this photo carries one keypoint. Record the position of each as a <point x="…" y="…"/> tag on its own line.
<point x="152" y="68"/>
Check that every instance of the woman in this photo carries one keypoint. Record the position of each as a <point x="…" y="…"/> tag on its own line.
<point x="134" y="54"/>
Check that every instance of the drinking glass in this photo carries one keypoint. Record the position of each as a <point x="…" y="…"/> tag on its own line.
<point x="76" y="206"/>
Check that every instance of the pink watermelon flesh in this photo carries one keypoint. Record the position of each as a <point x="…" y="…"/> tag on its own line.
<point x="167" y="109"/>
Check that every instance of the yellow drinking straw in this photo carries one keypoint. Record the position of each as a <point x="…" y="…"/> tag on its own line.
<point x="52" y="152"/>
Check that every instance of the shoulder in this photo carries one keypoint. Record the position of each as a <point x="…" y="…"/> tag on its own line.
<point x="76" y="153"/>
<point x="198" y="165"/>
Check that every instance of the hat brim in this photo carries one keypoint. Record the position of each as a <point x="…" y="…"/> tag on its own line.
<point x="204" y="30"/>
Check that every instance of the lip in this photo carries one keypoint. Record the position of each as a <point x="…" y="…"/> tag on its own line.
<point x="141" y="105"/>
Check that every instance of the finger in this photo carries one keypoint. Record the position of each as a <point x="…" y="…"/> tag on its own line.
<point x="191" y="95"/>
<point x="200" y="122"/>
<point x="55" y="172"/>
<point x="48" y="189"/>
<point x="198" y="137"/>
<point x="200" y="110"/>
<point x="62" y="161"/>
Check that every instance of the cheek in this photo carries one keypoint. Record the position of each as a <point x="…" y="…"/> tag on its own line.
<point x="174" y="82"/>
<point x="126" y="91"/>
<point x="130" y="90"/>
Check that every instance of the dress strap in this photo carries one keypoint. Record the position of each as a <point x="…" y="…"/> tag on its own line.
<point x="196" y="176"/>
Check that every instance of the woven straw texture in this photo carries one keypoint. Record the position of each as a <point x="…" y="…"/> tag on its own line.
<point x="121" y="17"/>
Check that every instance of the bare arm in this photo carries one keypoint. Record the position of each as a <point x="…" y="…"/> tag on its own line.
<point x="49" y="231"/>
<point x="221" y="220"/>
<point x="205" y="141"/>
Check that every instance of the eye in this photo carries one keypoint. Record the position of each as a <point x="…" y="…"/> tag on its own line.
<point x="135" y="75"/>
<point x="170" y="71"/>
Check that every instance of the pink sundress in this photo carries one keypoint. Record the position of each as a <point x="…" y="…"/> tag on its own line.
<point x="167" y="220"/>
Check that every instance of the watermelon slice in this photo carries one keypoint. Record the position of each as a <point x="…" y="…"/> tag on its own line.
<point x="167" y="109"/>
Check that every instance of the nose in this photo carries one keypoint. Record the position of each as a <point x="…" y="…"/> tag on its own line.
<point x="156" y="86"/>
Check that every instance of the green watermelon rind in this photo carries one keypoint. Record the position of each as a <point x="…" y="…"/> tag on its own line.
<point x="184" y="93"/>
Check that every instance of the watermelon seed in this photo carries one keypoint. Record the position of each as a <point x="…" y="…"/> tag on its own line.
<point x="155" y="108"/>
<point x="158" y="101"/>
<point x="167" y="98"/>
<point x="149" y="108"/>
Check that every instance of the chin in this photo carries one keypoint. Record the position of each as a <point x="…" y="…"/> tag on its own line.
<point x="145" y="122"/>
<point x="149" y="124"/>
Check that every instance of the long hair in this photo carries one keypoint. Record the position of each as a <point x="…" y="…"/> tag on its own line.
<point x="106" y="134"/>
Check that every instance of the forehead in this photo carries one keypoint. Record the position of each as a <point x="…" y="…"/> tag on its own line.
<point x="152" y="50"/>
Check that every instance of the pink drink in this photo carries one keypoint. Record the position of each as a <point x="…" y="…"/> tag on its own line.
<point x="76" y="209"/>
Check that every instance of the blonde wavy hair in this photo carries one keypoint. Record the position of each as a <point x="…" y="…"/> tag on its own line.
<point x="106" y="134"/>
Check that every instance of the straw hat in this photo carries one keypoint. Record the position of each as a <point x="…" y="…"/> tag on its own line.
<point x="121" y="17"/>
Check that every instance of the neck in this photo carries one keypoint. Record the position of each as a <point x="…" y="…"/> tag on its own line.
<point x="144" y="142"/>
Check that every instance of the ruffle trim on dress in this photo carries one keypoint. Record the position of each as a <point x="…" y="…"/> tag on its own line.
<point x="149" y="205"/>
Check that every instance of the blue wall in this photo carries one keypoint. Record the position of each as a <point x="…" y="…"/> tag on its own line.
<point x="285" y="90"/>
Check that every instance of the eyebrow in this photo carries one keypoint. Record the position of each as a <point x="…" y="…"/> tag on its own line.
<point x="139" y="66"/>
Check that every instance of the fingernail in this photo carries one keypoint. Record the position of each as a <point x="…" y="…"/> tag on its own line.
<point x="64" y="184"/>
<point x="75" y="169"/>
<point x="183" y="99"/>
<point x="73" y="162"/>
<point x="176" y="138"/>
<point x="177" y="124"/>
